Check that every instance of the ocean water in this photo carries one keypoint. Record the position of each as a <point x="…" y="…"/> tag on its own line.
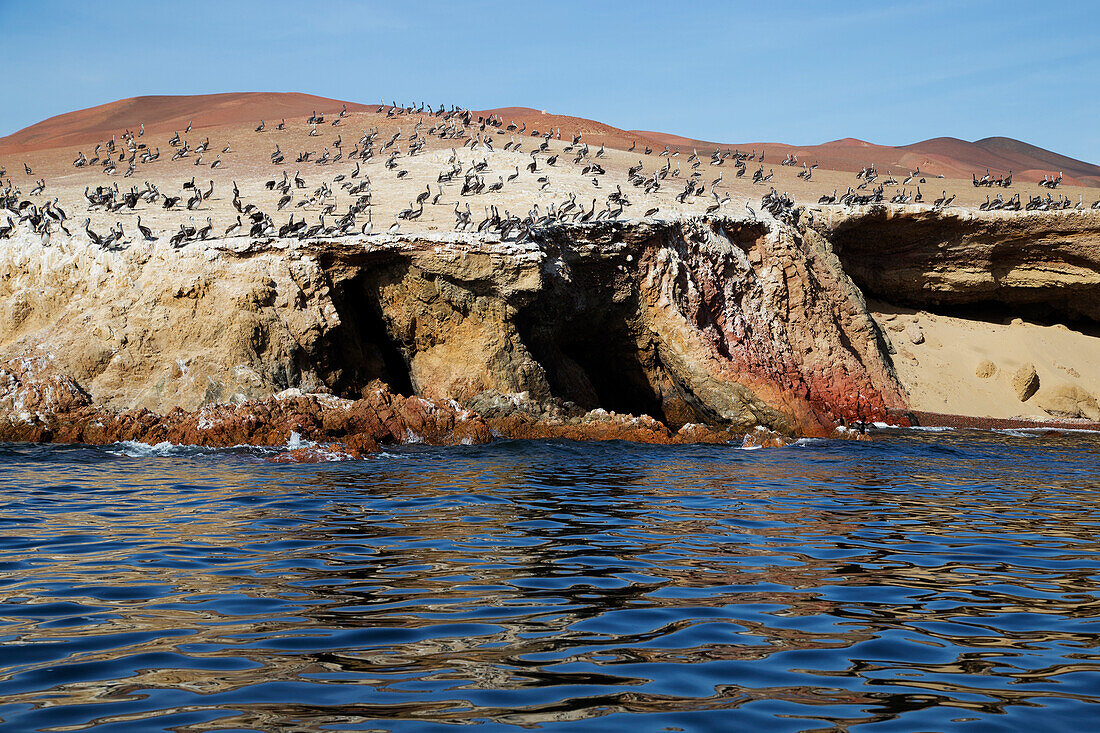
<point x="924" y="581"/>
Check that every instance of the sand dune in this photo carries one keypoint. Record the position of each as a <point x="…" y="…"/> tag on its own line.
<point x="166" y="113"/>
<point x="949" y="157"/>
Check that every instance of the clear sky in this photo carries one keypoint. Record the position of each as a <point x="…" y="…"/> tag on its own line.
<point x="888" y="72"/>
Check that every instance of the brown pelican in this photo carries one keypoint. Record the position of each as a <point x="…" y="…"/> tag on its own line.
<point x="146" y="232"/>
<point x="235" y="229"/>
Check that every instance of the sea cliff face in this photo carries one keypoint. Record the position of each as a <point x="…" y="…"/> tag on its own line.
<point x="677" y="331"/>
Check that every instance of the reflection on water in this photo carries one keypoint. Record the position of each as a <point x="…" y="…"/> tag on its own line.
<point x="918" y="582"/>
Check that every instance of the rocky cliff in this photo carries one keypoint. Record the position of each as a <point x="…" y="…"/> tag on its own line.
<point x="695" y="329"/>
<point x="1009" y="262"/>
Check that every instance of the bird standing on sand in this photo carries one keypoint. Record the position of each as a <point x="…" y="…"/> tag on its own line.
<point x="235" y="229"/>
<point x="146" y="232"/>
<point x="95" y="238"/>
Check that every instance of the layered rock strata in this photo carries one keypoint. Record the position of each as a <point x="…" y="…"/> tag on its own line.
<point x="677" y="331"/>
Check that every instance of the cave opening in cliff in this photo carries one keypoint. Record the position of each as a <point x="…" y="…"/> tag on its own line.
<point x="599" y="357"/>
<point x="361" y="349"/>
<point x="613" y="367"/>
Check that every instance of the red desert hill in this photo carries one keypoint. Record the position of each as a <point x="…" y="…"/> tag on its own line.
<point x="166" y="113"/>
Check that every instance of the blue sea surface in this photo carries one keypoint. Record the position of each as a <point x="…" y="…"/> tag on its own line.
<point x="922" y="581"/>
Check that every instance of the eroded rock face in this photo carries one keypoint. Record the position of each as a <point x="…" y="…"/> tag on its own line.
<point x="694" y="330"/>
<point x="675" y="331"/>
<point x="711" y="322"/>
<point x="155" y="328"/>
<point x="922" y="258"/>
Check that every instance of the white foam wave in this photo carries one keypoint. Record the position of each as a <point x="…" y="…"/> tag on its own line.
<point x="137" y="449"/>
<point x="1037" y="432"/>
<point x="295" y="442"/>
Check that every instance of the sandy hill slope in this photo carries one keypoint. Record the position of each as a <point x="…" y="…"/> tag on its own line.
<point x="1002" y="154"/>
<point x="950" y="157"/>
<point x="166" y="113"/>
<point x="537" y="120"/>
<point x="1039" y="158"/>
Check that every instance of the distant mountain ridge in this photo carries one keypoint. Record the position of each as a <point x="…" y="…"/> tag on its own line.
<point x="951" y="157"/>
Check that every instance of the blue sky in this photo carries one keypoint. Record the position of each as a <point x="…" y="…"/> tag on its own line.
<point x="803" y="73"/>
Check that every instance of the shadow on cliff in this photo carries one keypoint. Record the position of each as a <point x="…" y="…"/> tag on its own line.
<point x="361" y="350"/>
<point x="589" y="336"/>
<point x="990" y="268"/>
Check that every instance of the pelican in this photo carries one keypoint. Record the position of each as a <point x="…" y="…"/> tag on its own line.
<point x="95" y="238"/>
<point x="235" y="229"/>
<point x="146" y="232"/>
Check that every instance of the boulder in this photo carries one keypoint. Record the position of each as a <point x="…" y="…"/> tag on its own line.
<point x="1026" y="382"/>
<point x="985" y="369"/>
<point x="1067" y="400"/>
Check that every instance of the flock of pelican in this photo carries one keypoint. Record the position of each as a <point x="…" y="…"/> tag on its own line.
<point x="463" y="178"/>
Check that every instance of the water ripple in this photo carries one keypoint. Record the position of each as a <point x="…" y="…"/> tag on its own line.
<point x="923" y="581"/>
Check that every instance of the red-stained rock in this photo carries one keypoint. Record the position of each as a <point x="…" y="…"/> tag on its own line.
<point x="602" y="425"/>
<point x="782" y="321"/>
<point x="63" y="413"/>
<point x="695" y="433"/>
<point x="637" y="430"/>
<point x="317" y="454"/>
